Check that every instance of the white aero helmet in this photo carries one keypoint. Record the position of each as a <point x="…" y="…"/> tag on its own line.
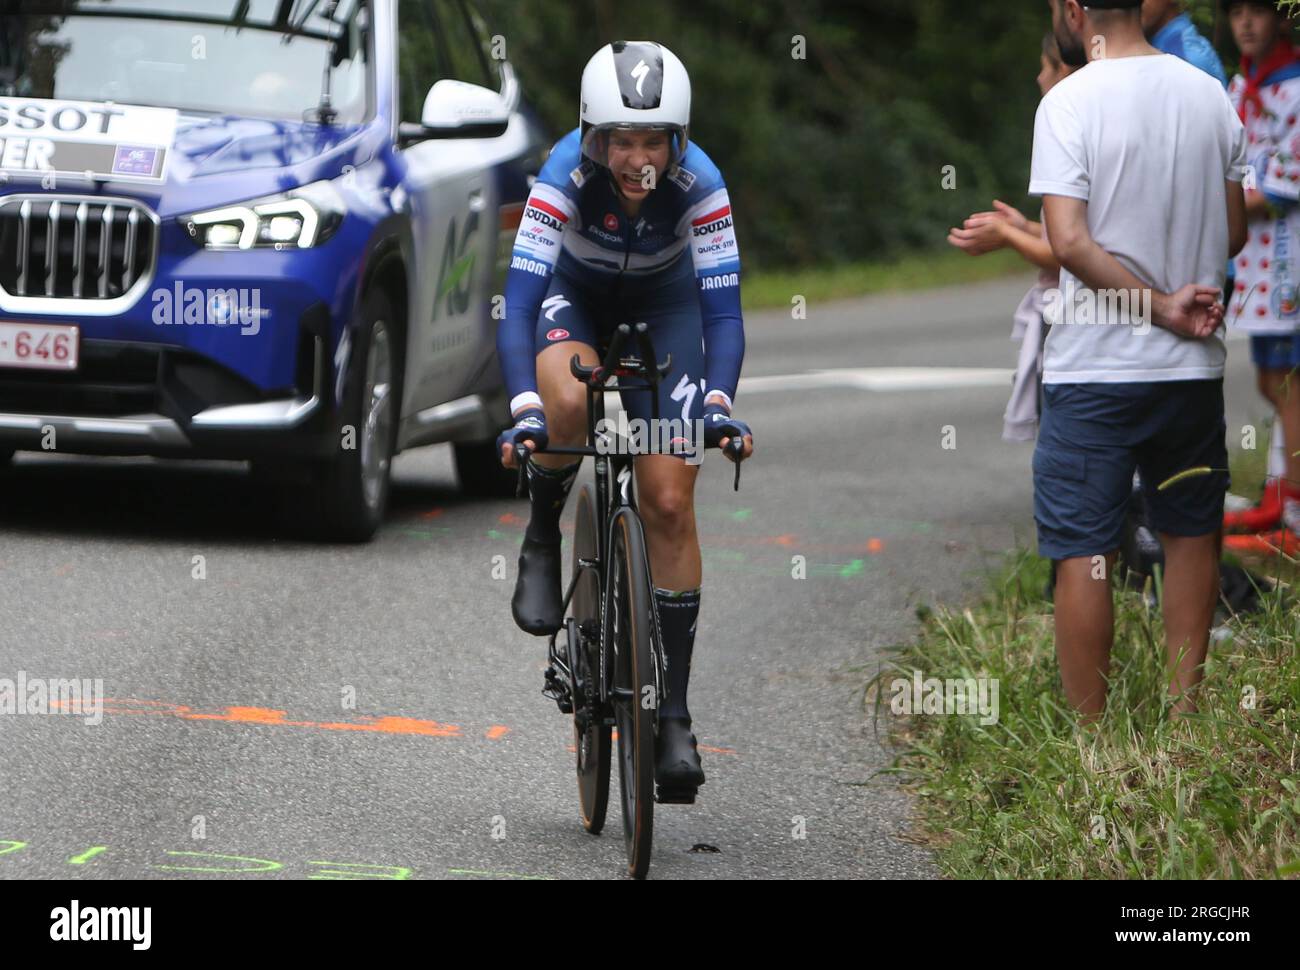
<point x="634" y="84"/>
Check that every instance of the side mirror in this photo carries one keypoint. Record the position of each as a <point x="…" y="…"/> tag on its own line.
<point x="457" y="109"/>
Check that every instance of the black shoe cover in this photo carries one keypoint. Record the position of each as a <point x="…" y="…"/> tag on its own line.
<point x="677" y="763"/>
<point x="538" y="599"/>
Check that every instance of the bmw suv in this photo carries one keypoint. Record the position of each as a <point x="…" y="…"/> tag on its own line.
<point x="264" y="230"/>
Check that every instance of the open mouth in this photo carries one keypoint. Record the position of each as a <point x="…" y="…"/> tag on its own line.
<point x="632" y="181"/>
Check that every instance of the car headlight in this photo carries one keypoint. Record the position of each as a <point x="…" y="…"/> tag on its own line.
<point x="299" y="219"/>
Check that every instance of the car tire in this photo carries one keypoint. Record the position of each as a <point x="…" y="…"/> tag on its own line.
<point x="478" y="464"/>
<point x="349" y="492"/>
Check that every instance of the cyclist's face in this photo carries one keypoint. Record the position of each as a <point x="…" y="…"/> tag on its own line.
<point x="1255" y="28"/>
<point x="637" y="159"/>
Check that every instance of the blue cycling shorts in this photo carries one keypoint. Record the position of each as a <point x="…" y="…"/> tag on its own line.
<point x="1275" y="352"/>
<point x="668" y="302"/>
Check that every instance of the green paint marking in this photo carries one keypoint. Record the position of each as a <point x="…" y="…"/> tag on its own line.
<point x="13" y="846"/>
<point x="852" y="569"/>
<point x="496" y="875"/>
<point x="81" y="860"/>
<point x="266" y="864"/>
<point x="493" y="534"/>
<point x="740" y="515"/>
<point x="394" y="872"/>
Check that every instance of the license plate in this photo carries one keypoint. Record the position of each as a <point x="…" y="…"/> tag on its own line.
<point x="40" y="346"/>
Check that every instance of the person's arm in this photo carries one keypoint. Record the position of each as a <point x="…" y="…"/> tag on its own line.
<point x="1194" y="311"/>
<point x="717" y="273"/>
<point x="1238" y="216"/>
<point x="546" y="215"/>
<point x="1032" y="246"/>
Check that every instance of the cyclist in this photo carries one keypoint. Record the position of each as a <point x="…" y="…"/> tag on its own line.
<point x="603" y="241"/>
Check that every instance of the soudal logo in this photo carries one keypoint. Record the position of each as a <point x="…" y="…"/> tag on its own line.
<point x="545" y="218"/>
<point x="719" y="282"/>
<point x="611" y="221"/>
<point x="559" y="333"/>
<point x="713" y="222"/>
<point x="529" y="265"/>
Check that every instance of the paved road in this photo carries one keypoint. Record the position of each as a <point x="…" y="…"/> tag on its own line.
<point x="230" y="742"/>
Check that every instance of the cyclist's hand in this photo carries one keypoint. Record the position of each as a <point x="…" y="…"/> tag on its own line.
<point x="720" y="427"/>
<point x="529" y="429"/>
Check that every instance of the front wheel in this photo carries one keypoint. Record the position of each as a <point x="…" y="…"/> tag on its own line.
<point x="591" y="733"/>
<point x="350" y="491"/>
<point x="630" y="628"/>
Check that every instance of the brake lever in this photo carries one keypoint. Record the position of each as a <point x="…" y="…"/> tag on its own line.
<point x="736" y="447"/>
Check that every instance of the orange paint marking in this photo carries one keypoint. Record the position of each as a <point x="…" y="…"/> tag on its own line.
<point x="511" y="519"/>
<point x="397" y="725"/>
<point x="875" y="545"/>
<point x="431" y="514"/>
<point x="497" y="731"/>
<point x="249" y="715"/>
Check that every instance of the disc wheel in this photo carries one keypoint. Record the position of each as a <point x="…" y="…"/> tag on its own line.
<point x="631" y="629"/>
<point x="591" y="735"/>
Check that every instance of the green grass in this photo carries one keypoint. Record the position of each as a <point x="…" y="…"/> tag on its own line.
<point x="945" y="267"/>
<point x="1141" y="796"/>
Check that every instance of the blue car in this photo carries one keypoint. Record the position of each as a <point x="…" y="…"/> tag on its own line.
<point x="264" y="230"/>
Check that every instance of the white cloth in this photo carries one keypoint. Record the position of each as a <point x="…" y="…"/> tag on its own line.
<point x="1020" y="420"/>
<point x="1268" y="268"/>
<point x="1147" y="142"/>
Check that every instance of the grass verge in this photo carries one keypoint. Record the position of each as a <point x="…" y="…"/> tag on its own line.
<point x="1140" y="797"/>
<point x="946" y="267"/>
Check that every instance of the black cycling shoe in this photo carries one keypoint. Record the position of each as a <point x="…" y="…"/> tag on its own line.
<point x="537" y="602"/>
<point x="677" y="762"/>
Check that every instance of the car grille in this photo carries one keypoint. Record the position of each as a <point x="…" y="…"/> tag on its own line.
<point x="75" y="248"/>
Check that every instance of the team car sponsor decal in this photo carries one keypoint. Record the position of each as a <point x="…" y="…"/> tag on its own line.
<point x="76" y="138"/>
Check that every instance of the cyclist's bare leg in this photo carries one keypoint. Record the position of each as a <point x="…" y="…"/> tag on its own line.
<point x="564" y="398"/>
<point x="666" y="499"/>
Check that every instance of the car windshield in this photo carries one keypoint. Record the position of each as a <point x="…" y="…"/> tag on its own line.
<point x="257" y="58"/>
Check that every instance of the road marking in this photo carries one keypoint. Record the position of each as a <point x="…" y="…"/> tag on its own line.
<point x="882" y="379"/>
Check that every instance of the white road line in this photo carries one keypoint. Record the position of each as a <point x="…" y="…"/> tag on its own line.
<point x="882" y="379"/>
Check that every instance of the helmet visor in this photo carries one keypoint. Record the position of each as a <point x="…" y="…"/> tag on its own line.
<point x="597" y="140"/>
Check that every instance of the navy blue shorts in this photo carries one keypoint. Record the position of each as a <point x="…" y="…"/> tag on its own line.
<point x="668" y="302"/>
<point x="1275" y="352"/>
<point x="1094" y="436"/>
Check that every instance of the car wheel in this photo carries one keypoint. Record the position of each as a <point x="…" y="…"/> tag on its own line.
<point x="481" y="474"/>
<point x="350" y="490"/>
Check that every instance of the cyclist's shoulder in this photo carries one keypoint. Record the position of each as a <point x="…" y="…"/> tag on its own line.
<point x="696" y="177"/>
<point x="566" y="169"/>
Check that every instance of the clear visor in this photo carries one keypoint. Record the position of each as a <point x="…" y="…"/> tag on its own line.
<point x="598" y="139"/>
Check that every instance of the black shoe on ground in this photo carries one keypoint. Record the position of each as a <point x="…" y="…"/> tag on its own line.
<point x="677" y="762"/>
<point x="537" y="602"/>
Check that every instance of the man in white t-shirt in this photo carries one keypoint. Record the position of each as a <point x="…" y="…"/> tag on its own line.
<point x="1139" y="159"/>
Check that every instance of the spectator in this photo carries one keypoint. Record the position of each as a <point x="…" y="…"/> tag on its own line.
<point x="1139" y="160"/>
<point x="1171" y="31"/>
<point x="1267" y="302"/>
<point x="985" y="232"/>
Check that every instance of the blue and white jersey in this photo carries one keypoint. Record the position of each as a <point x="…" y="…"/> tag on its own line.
<point x="574" y="224"/>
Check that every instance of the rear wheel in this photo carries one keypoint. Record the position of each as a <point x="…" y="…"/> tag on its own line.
<point x="478" y="463"/>
<point x="591" y="735"/>
<point x="631" y="629"/>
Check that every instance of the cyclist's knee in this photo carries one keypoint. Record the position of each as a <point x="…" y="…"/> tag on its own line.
<point x="566" y="415"/>
<point x="670" y="507"/>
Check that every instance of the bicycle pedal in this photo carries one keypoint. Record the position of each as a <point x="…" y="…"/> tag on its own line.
<point x="675" y="796"/>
